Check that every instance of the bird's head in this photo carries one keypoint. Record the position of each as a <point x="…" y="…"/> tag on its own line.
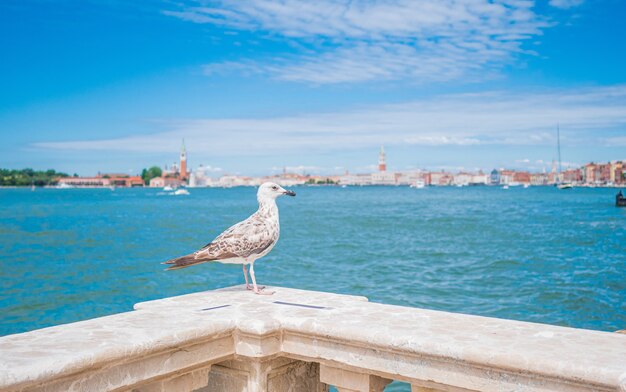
<point x="269" y="190"/>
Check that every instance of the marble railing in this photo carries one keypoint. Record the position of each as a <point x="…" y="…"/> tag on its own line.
<point x="234" y="340"/>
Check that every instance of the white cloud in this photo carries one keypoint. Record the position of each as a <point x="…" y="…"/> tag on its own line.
<point x="345" y="41"/>
<point x="368" y="62"/>
<point x="588" y="116"/>
<point x="565" y="4"/>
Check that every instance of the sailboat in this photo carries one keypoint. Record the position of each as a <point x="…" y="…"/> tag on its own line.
<point x="559" y="184"/>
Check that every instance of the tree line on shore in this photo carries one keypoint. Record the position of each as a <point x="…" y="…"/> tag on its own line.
<point x="148" y="174"/>
<point x="28" y="177"/>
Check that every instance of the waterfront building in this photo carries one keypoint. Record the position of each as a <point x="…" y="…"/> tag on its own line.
<point x="604" y="173"/>
<point x="157" y="182"/>
<point x="383" y="178"/>
<point x="613" y="171"/>
<point x="441" y="178"/>
<point x="507" y="177"/>
<point x="617" y="172"/>
<point x="356" y="179"/>
<point x="84" y="182"/>
<point x="539" y="179"/>
<point x="412" y="178"/>
<point x="589" y="173"/>
<point x="573" y="176"/>
<point x="479" y="179"/>
<point x="160" y="182"/>
<point x="521" y="178"/>
<point x="494" y="178"/>
<point x="102" y="181"/>
<point x="597" y="173"/>
<point x="462" y="179"/>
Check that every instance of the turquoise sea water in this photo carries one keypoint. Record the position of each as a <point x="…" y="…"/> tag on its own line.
<point x="536" y="254"/>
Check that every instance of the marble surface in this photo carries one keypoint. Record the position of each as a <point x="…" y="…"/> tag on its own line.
<point x="415" y="345"/>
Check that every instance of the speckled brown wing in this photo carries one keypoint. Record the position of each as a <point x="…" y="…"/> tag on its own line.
<point x="244" y="239"/>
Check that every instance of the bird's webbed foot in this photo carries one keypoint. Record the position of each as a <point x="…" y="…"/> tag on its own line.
<point x="260" y="291"/>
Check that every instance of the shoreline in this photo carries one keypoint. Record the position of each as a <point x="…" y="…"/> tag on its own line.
<point x="619" y="186"/>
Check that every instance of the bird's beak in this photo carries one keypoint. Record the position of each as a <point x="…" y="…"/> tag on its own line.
<point x="289" y="193"/>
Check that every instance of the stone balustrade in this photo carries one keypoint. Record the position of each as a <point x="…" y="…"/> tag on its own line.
<point x="233" y="340"/>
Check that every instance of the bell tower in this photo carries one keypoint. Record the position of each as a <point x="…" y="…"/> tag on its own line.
<point x="183" y="161"/>
<point x="382" y="165"/>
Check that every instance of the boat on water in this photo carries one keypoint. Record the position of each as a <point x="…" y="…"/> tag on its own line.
<point x="167" y="188"/>
<point x="505" y="187"/>
<point x="63" y="185"/>
<point x="526" y="186"/>
<point x="419" y="184"/>
<point x="179" y="192"/>
<point x="559" y="184"/>
<point x="564" y="185"/>
<point x="620" y="200"/>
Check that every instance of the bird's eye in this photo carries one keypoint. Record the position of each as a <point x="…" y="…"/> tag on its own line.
<point x="274" y="187"/>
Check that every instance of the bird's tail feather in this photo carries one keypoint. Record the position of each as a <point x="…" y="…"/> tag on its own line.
<point x="184" y="261"/>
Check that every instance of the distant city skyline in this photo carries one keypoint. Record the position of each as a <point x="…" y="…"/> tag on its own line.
<point x="539" y="166"/>
<point x="256" y="86"/>
<point x="526" y="165"/>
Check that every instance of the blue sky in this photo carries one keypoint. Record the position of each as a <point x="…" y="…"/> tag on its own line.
<point x="254" y="86"/>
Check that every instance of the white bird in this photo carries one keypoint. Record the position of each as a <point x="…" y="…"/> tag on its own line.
<point x="245" y="242"/>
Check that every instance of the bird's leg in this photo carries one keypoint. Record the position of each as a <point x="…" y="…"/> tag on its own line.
<point x="255" y="288"/>
<point x="245" y="275"/>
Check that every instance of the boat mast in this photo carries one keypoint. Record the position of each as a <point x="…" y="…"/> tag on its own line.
<point x="558" y="143"/>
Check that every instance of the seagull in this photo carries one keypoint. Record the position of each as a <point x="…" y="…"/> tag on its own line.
<point x="245" y="242"/>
